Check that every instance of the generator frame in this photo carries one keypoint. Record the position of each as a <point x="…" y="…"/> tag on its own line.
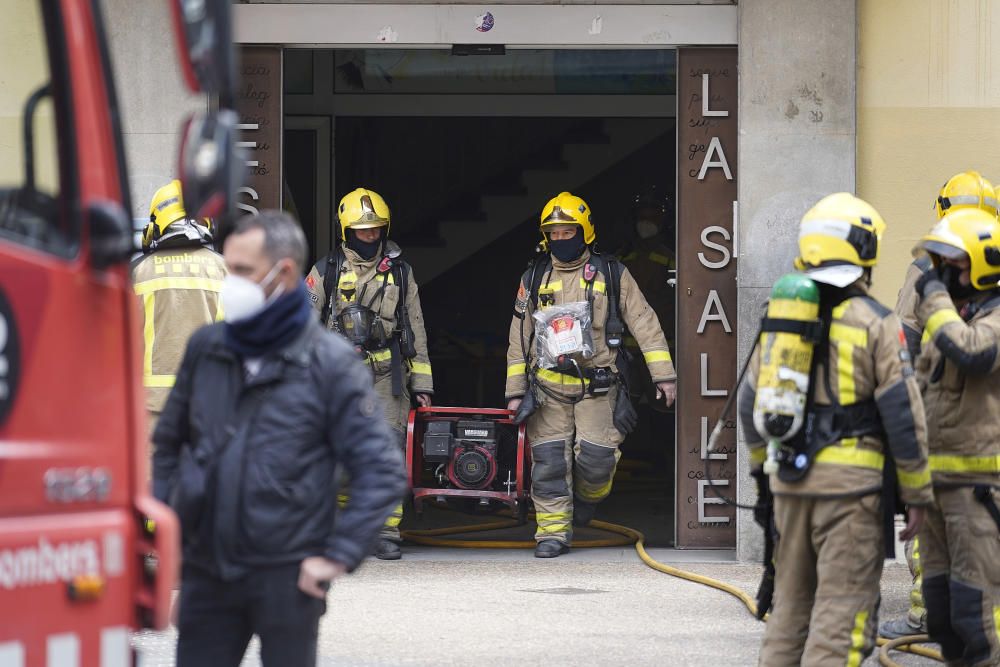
<point x="516" y="499"/>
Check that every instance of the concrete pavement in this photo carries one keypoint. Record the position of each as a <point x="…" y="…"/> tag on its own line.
<point x="489" y="608"/>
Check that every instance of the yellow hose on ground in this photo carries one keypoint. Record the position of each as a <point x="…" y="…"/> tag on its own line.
<point x="898" y="644"/>
<point x="631" y="536"/>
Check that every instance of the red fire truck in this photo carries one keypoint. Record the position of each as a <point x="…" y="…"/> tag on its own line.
<point x="86" y="554"/>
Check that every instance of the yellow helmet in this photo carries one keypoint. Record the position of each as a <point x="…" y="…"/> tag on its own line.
<point x="966" y="190"/>
<point x="967" y="233"/>
<point x="839" y="238"/>
<point x="166" y="208"/>
<point x="567" y="209"/>
<point x="362" y="209"/>
<point x="168" y="221"/>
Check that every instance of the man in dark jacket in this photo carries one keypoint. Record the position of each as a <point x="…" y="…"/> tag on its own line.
<point x="265" y="408"/>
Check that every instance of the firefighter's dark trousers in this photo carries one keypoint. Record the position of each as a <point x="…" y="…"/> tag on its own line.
<point x="960" y="553"/>
<point x="574" y="452"/>
<point x="218" y="618"/>
<point x="828" y="563"/>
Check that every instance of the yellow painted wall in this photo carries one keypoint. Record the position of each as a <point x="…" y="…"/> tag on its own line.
<point x="928" y="107"/>
<point x="23" y="68"/>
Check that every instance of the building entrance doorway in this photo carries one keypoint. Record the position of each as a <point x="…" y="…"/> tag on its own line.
<point x="466" y="150"/>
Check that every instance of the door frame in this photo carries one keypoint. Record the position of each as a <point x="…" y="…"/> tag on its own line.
<point x="343" y="26"/>
<point x="441" y="26"/>
<point x="322" y="126"/>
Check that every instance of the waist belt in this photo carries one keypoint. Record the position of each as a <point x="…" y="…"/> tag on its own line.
<point x="561" y="376"/>
<point x="827" y="425"/>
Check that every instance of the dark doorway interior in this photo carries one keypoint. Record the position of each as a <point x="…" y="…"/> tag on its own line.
<point x="465" y="194"/>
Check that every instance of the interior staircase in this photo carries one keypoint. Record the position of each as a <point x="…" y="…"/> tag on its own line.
<point x="504" y="208"/>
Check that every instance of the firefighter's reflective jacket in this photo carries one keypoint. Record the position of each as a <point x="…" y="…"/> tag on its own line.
<point x="566" y="283"/>
<point x="362" y="282"/>
<point x="959" y="372"/>
<point x="178" y="292"/>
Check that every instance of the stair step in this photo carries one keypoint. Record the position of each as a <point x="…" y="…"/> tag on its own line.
<point x="500" y="188"/>
<point x="587" y="135"/>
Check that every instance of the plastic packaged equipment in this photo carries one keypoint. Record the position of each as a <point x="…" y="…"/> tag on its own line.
<point x="563" y="332"/>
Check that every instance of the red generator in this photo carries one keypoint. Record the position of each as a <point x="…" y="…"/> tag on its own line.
<point x="475" y="454"/>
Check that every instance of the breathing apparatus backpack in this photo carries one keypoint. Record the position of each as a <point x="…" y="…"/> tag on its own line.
<point x="788" y="338"/>
<point x="795" y="336"/>
<point x="401" y="341"/>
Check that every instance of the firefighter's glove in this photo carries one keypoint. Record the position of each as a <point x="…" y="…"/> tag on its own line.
<point x="929" y="283"/>
<point x="623" y="415"/>
<point x="765" y="594"/>
<point x="528" y="406"/>
<point x="762" y="510"/>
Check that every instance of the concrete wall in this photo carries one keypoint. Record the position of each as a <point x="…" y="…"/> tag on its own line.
<point x="797" y="144"/>
<point x="151" y="92"/>
<point x="928" y="107"/>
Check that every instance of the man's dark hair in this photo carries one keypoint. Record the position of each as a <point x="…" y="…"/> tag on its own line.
<point x="283" y="237"/>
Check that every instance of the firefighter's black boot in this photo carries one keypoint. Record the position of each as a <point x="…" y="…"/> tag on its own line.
<point x="388" y="550"/>
<point x="550" y="549"/>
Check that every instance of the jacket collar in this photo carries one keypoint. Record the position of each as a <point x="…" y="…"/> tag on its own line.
<point x="571" y="266"/>
<point x="357" y="262"/>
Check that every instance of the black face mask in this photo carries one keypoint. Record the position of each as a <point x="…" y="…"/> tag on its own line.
<point x="950" y="277"/>
<point x="365" y="249"/>
<point x="567" y="250"/>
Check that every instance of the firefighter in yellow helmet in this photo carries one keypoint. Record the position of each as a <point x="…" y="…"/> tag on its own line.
<point x="564" y="365"/>
<point x="959" y="373"/>
<point x="177" y="280"/>
<point x="364" y="291"/>
<point x="831" y="514"/>
<point x="651" y="260"/>
<point x="965" y="190"/>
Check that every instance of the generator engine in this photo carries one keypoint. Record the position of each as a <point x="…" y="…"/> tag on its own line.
<point x="471" y="453"/>
<point x="469" y="448"/>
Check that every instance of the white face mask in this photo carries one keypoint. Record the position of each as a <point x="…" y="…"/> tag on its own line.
<point x="242" y="298"/>
<point x="646" y="229"/>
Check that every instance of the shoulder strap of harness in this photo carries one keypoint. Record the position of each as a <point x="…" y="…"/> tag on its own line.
<point x="534" y="276"/>
<point x="407" y="342"/>
<point x="330" y="271"/>
<point x="614" y="327"/>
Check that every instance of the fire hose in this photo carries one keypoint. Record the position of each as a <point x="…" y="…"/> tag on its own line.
<point x="438" y="537"/>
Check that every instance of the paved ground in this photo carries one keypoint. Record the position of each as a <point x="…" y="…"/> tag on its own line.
<point x="598" y="607"/>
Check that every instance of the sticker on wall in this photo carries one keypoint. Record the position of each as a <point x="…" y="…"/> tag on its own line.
<point x="485" y="22"/>
<point x="387" y="34"/>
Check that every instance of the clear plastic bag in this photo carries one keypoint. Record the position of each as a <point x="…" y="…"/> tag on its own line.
<point x="563" y="331"/>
